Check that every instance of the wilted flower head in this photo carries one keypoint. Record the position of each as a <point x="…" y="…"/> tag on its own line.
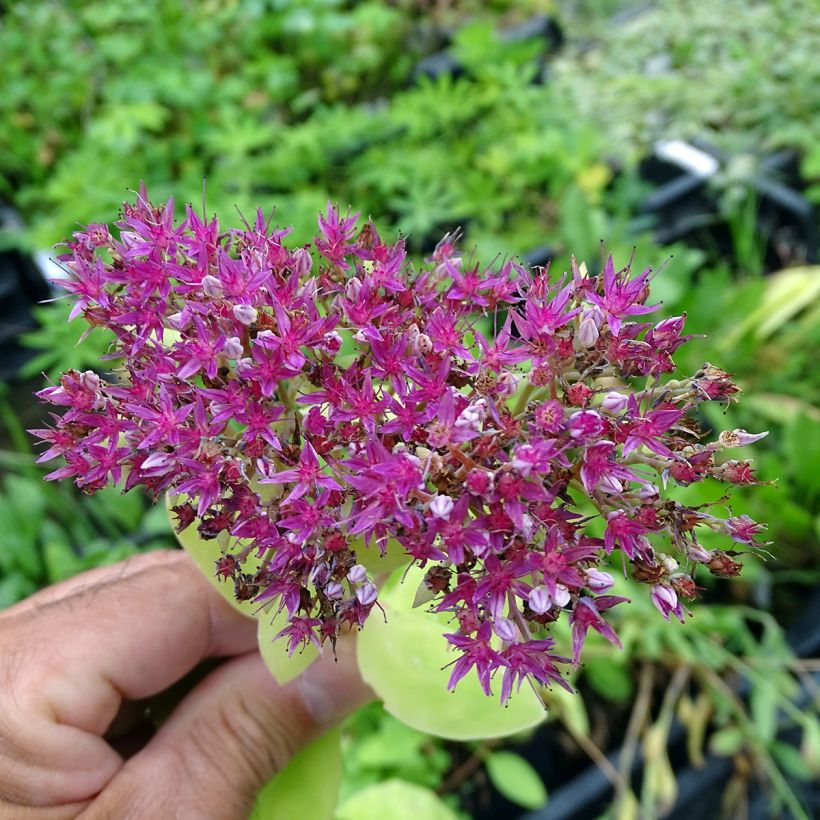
<point x="309" y="405"/>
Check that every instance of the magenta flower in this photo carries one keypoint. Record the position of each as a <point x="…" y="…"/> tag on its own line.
<point x="587" y="614"/>
<point x="305" y="404"/>
<point x="306" y="477"/>
<point x="622" y="296"/>
<point x="475" y="653"/>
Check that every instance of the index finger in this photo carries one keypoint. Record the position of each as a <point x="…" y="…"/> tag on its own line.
<point x="70" y="655"/>
<point x="129" y="634"/>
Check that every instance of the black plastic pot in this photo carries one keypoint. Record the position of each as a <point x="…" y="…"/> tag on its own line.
<point x="21" y="287"/>
<point x="700" y="790"/>
<point x="685" y="204"/>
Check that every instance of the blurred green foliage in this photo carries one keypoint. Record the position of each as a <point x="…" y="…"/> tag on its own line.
<point x="741" y="74"/>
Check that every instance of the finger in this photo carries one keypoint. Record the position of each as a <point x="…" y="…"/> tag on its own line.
<point x="66" y="666"/>
<point x="86" y="580"/>
<point x="228" y="738"/>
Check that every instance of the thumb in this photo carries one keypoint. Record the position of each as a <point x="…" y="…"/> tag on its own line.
<point x="229" y="736"/>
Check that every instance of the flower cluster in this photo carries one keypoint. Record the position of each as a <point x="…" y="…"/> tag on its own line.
<point x="314" y="407"/>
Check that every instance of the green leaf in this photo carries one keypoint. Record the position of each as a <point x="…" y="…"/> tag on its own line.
<point x="395" y="799"/>
<point x="726" y="742"/>
<point x="402" y="659"/>
<point x="372" y="559"/>
<point x="514" y="778"/>
<point x="791" y="761"/>
<point x="308" y="787"/>
<point x="610" y="678"/>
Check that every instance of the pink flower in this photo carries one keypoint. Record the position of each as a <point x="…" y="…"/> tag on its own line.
<point x="622" y="296"/>
<point x="309" y="403"/>
<point x="586" y="614"/>
<point x="666" y="600"/>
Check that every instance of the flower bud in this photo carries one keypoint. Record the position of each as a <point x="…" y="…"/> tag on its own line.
<point x="539" y="600"/>
<point x="665" y="600"/>
<point x="507" y="384"/>
<point x="598" y="580"/>
<point x="367" y="594"/>
<point x="333" y="590"/>
<point x="89" y="381"/>
<point x="302" y="262"/>
<point x="424" y="344"/>
<point x="614" y="402"/>
<point x="212" y="287"/>
<point x="356" y="574"/>
<point x="157" y="464"/>
<point x="352" y="288"/>
<point x="562" y="596"/>
<point x="588" y="332"/>
<point x="527" y="527"/>
<point x="233" y="348"/>
<point x="696" y="552"/>
<point x="179" y="320"/>
<point x="739" y="438"/>
<point x="441" y="506"/>
<point x="309" y="289"/>
<point x="331" y="343"/>
<point x="506" y="630"/>
<point x="246" y="314"/>
<point x="585" y="424"/>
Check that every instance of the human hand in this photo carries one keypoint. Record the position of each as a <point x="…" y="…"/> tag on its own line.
<point x="71" y="658"/>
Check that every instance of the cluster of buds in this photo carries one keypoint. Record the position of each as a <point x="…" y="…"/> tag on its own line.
<point x="309" y="405"/>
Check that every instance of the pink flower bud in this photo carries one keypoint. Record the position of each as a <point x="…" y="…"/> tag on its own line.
<point x="367" y="594"/>
<point x="423" y="344"/>
<point x="246" y="314"/>
<point x="506" y="630"/>
<point x="334" y="590"/>
<point x="598" y="580"/>
<point x="356" y="574"/>
<point x="331" y="343"/>
<point x="698" y="553"/>
<point x="562" y="596"/>
<point x="157" y="464"/>
<point x="585" y="424"/>
<point x="179" y="320"/>
<point x="507" y="383"/>
<point x="539" y="600"/>
<point x="739" y="438"/>
<point x="588" y="332"/>
<point x="303" y="262"/>
<point x="665" y="600"/>
<point x="212" y="287"/>
<point x="441" y="506"/>
<point x="233" y="347"/>
<point x="352" y="288"/>
<point x="614" y="402"/>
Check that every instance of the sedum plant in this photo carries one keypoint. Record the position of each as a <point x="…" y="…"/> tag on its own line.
<point x="442" y="455"/>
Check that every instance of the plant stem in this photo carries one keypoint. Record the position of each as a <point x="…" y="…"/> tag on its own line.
<point x="637" y="720"/>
